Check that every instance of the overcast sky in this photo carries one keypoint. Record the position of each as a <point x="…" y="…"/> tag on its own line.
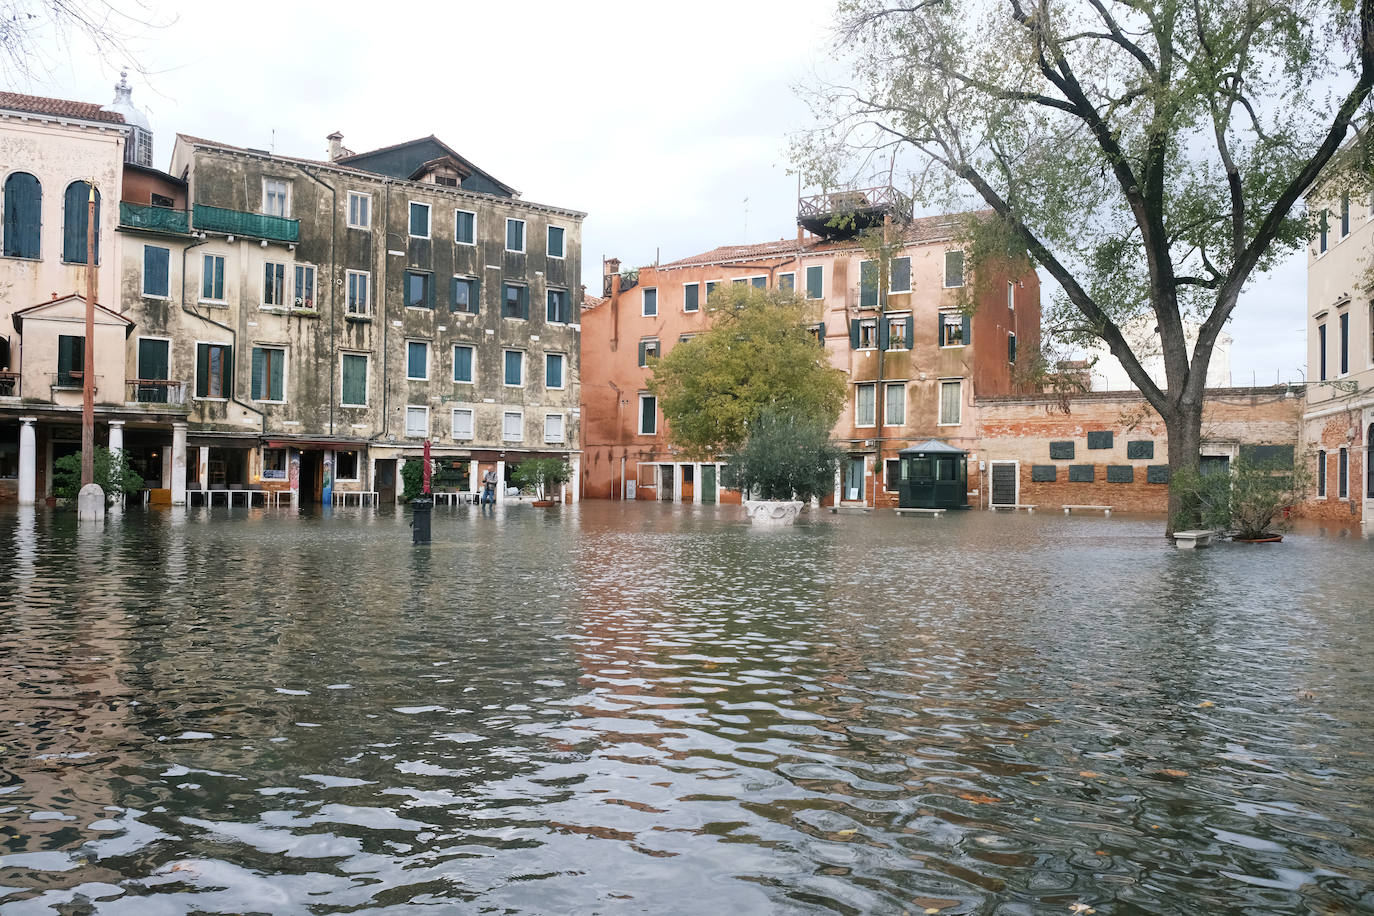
<point x="668" y="129"/>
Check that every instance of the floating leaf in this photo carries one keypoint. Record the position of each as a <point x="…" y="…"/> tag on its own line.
<point x="1089" y="774"/>
<point x="979" y="798"/>
<point x="1205" y="704"/>
<point x="1177" y="774"/>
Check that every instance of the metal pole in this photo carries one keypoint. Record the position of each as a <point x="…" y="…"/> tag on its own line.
<point x="88" y="370"/>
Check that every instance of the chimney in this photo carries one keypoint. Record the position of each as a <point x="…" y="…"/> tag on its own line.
<point x="610" y="267"/>
<point x="336" y="148"/>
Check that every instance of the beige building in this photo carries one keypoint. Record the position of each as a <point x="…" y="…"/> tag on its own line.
<point x="1338" y="423"/>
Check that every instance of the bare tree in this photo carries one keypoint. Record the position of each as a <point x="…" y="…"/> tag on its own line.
<point x="32" y="32"/>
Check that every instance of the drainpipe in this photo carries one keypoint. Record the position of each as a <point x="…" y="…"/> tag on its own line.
<point x="262" y="415"/>
<point x="879" y="392"/>
<point x="380" y="300"/>
<point x="333" y="285"/>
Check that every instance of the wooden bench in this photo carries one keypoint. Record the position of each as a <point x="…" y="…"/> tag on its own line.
<point x="1105" y="510"/>
<point x="1194" y="539"/>
<point x="930" y="513"/>
<point x="1029" y="508"/>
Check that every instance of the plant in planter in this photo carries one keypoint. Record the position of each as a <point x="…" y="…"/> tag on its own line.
<point x="785" y="461"/>
<point x="1250" y="501"/>
<point x="412" y="479"/>
<point x="541" y="475"/>
<point x="112" y="472"/>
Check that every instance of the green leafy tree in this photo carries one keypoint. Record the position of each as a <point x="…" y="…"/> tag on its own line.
<point x="785" y="457"/>
<point x="413" y="478"/>
<point x="1148" y="154"/>
<point x="1250" y="499"/>
<point x="760" y="355"/>
<point x="541" y="475"/>
<point x="112" y="472"/>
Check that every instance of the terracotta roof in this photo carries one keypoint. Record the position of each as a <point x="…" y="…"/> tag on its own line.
<point x="727" y="253"/>
<point x="591" y="302"/>
<point x="60" y="108"/>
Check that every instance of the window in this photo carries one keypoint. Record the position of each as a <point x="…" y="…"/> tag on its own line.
<point x="419" y="220"/>
<point x="556" y="242"/>
<point x="951" y="398"/>
<point x="274" y="464"/>
<point x="214" y="371"/>
<point x="212" y="278"/>
<point x="899" y="329"/>
<point x="1011" y="296"/>
<point x="1344" y="320"/>
<point x="868" y="333"/>
<point x="553" y="370"/>
<point x="22" y="206"/>
<point x="648" y="349"/>
<point x="276" y="197"/>
<point x="553" y="427"/>
<point x="353" y="368"/>
<point x="759" y="282"/>
<point x="161" y="200"/>
<point x="514" y="368"/>
<point x="417" y="422"/>
<point x="1011" y="346"/>
<point x="691" y="297"/>
<point x="273" y="284"/>
<point x="1321" y="231"/>
<point x="462" y="422"/>
<point x="269" y="374"/>
<point x="1321" y="351"/>
<point x="305" y="287"/>
<point x="954" y="269"/>
<point x="346" y="465"/>
<point x="74" y="223"/>
<point x="359" y="283"/>
<point x="465" y="227"/>
<point x="417" y="360"/>
<point x="865" y="404"/>
<point x="892" y="474"/>
<point x="899" y="280"/>
<point x="515" y="301"/>
<point x="71" y="360"/>
<point x="448" y="181"/>
<point x="650" y="307"/>
<point x="954" y="329"/>
<point x="359" y="210"/>
<point x="648" y="415"/>
<point x="156" y="263"/>
<point x="515" y="235"/>
<point x="418" y="294"/>
<point x="1345" y="213"/>
<point x="1343" y="473"/>
<point x="559" y="308"/>
<point x="894" y="404"/>
<point x="513" y="426"/>
<point x="463" y="295"/>
<point x="711" y="289"/>
<point x="868" y="284"/>
<point x="463" y="358"/>
<point x="815" y="282"/>
<point x="1321" y="474"/>
<point x="787" y="281"/>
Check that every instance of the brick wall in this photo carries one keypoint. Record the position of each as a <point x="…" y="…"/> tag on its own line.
<point x="1330" y="434"/>
<point x="1022" y="429"/>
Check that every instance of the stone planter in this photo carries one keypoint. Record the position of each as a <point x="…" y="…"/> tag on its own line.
<point x="772" y="511"/>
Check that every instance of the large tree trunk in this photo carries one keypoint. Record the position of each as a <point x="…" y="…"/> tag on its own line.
<point x="1184" y="426"/>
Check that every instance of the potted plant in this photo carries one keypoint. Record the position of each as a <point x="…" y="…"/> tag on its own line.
<point x="1250" y="500"/>
<point x="785" y="461"/>
<point x="541" y="475"/>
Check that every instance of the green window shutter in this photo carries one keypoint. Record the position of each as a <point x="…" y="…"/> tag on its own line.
<point x="940" y="329"/>
<point x="228" y="371"/>
<point x="854" y="333"/>
<point x="868" y="284"/>
<point x="883" y="336"/>
<point x="279" y="376"/>
<point x="258" y="373"/>
<point x="815" y="282"/>
<point x="453" y="295"/>
<point x="820" y="333"/>
<point x="202" y="369"/>
<point x="23" y="204"/>
<point x="910" y="330"/>
<point x="901" y="275"/>
<point x="642" y="359"/>
<point x="968" y="339"/>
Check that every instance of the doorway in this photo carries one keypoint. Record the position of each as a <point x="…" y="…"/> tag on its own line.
<point x="384" y="480"/>
<point x="665" y="482"/>
<point x="1004" y="483"/>
<point x="708" y="483"/>
<point x="689" y="482"/>
<point x="853" y="486"/>
<point x="312" y="470"/>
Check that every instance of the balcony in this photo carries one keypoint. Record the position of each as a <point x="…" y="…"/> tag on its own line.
<point x="9" y="384"/>
<point x="248" y="225"/>
<point x="844" y="214"/>
<point x="155" y="392"/>
<point x="154" y="219"/>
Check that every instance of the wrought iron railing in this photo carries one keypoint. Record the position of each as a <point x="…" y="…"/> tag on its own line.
<point x="156" y="219"/>
<point x="155" y="391"/>
<point x="833" y="203"/>
<point x="9" y="384"/>
<point x="252" y="225"/>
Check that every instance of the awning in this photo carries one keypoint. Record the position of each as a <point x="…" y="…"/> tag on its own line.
<point x="932" y="447"/>
<point x="209" y="441"/>
<point x="329" y="445"/>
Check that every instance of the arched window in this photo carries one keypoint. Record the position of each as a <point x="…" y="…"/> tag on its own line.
<point x="23" y="204"/>
<point x="74" y="223"/>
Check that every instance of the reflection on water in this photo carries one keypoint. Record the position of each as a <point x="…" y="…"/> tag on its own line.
<point x="657" y="709"/>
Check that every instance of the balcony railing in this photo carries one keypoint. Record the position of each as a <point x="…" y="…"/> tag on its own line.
<point x="9" y="384"/>
<point x="171" y="392"/>
<point x="250" y="225"/>
<point x="154" y="219"/>
<point x="839" y="214"/>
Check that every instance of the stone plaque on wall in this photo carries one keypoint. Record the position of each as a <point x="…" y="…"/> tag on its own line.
<point x="1080" y="473"/>
<point x="1100" y="439"/>
<point x="1044" y="473"/>
<point x="1061" y="451"/>
<point x="1157" y="473"/>
<point x="1120" y="473"/>
<point x="1140" y="449"/>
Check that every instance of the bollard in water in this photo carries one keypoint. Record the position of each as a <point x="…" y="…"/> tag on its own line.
<point x="419" y="522"/>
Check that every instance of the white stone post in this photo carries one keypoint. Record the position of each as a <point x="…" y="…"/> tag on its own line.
<point x="203" y="467"/>
<point x="677" y="482"/>
<point x="28" y="461"/>
<point x="500" y="482"/>
<point x="178" y="464"/>
<point x="474" y="484"/>
<point x="696" y="485"/>
<point x="576" y="478"/>
<point x="116" y="437"/>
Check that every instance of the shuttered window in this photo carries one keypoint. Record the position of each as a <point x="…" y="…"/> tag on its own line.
<point x="354" y="372"/>
<point x="214" y="371"/>
<point x="464" y="295"/>
<point x="648" y="415"/>
<point x="650" y="305"/>
<point x="417" y="360"/>
<point x="553" y="427"/>
<point x="556" y="241"/>
<point x="515" y="235"/>
<point x="462" y="422"/>
<point x="868" y="284"/>
<point x="465" y="227"/>
<point x="74" y="223"/>
<point x="417" y="290"/>
<point x="954" y="268"/>
<point x="513" y="426"/>
<point x="691" y="297"/>
<point x="417" y="422"/>
<point x="269" y="374"/>
<point x="558" y="310"/>
<point x="156" y="262"/>
<point x="514" y="368"/>
<point x="553" y="370"/>
<point x="1321" y="473"/>
<point x="462" y="363"/>
<point x="23" y="208"/>
<point x="71" y="359"/>
<point x="901" y="275"/>
<point x="515" y="301"/>
<point x="419" y="220"/>
<point x="815" y="282"/>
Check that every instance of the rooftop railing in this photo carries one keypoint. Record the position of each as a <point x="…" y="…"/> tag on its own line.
<point x="154" y="219"/>
<point x="250" y="225"/>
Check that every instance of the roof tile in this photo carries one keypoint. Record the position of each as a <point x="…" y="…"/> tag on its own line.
<point x="60" y="108"/>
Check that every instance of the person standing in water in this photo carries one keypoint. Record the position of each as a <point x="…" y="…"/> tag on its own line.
<point x="489" y="487"/>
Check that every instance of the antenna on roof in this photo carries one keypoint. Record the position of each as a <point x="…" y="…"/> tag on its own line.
<point x="746" y="219"/>
<point x="273" y="146"/>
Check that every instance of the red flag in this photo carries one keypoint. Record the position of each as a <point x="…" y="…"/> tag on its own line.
<point x="428" y="470"/>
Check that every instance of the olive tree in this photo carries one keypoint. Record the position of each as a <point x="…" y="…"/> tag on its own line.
<point x="1148" y="154"/>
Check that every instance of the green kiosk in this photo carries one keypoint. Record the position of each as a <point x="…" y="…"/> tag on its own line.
<point x="932" y="475"/>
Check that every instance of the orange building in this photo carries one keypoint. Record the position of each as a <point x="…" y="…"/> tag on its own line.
<point x="914" y="356"/>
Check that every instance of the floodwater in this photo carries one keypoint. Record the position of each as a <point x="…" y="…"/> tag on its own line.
<point x="657" y="709"/>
